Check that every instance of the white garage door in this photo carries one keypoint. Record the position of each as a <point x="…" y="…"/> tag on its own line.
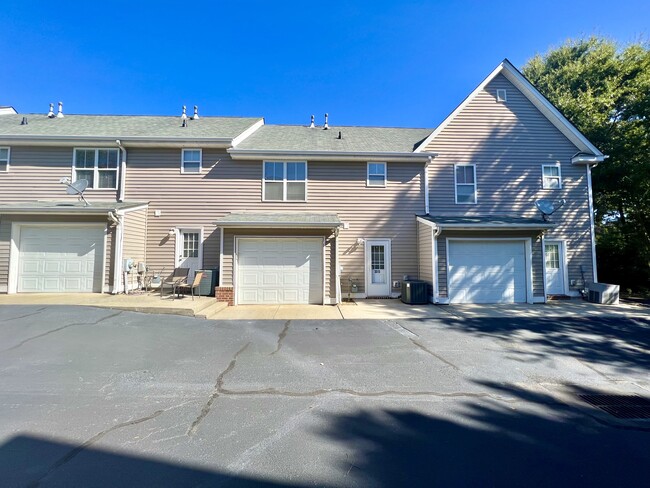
<point x="280" y="270"/>
<point x="60" y="259"/>
<point x="487" y="272"/>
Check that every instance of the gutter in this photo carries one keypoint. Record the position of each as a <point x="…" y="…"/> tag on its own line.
<point x="241" y="154"/>
<point x="141" y="141"/>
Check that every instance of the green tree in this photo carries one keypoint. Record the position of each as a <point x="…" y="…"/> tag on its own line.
<point x="604" y="90"/>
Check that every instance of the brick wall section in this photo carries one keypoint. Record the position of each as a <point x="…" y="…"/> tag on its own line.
<point x="225" y="294"/>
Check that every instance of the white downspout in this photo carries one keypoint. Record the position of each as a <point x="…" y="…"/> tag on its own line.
<point x="120" y="191"/>
<point x="591" y="221"/>
<point x="118" y="245"/>
<point x="434" y="260"/>
<point x="426" y="185"/>
<point x="337" y="273"/>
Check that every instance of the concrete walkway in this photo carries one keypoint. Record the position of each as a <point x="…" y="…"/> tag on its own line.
<point x="200" y="307"/>
<point x="393" y="309"/>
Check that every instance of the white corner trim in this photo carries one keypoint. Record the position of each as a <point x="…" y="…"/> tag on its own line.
<point x="247" y="132"/>
<point x="219" y="283"/>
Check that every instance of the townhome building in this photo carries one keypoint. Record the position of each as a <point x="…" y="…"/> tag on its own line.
<point x="305" y="213"/>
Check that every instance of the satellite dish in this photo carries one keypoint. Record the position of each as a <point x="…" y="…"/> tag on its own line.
<point x="548" y="207"/>
<point x="76" y="188"/>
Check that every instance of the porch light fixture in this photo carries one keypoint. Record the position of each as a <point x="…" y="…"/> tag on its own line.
<point x="171" y="231"/>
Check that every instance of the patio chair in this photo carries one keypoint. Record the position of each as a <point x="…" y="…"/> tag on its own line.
<point x="177" y="278"/>
<point x="195" y="284"/>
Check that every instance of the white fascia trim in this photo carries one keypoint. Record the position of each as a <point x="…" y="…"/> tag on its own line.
<point x="133" y="209"/>
<point x="276" y="225"/>
<point x="427" y="222"/>
<point x="247" y="132"/>
<point x="536" y="98"/>
<point x="247" y="154"/>
<point x="587" y="159"/>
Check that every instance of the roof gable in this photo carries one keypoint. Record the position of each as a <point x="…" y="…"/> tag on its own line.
<point x="545" y="107"/>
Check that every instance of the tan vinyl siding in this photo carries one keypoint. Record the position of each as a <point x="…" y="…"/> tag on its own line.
<point x="135" y="235"/>
<point x="425" y="256"/>
<point x="224" y="186"/>
<point x="536" y="247"/>
<point x="34" y="174"/>
<point x="509" y="142"/>
<point x="5" y="241"/>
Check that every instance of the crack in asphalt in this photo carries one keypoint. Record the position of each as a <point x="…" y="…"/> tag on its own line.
<point x="26" y="315"/>
<point x="428" y="351"/>
<point x="218" y="389"/>
<point x="77" y="450"/>
<point x="348" y="391"/>
<point x="38" y="336"/>
<point x="281" y="337"/>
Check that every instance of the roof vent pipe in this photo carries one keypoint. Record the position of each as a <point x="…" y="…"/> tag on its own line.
<point x="24" y="121"/>
<point x="184" y="114"/>
<point x="60" y="114"/>
<point x="184" y="123"/>
<point x="311" y="126"/>
<point x="196" y="113"/>
<point x="340" y="135"/>
<point x="326" y="126"/>
<point x="50" y="114"/>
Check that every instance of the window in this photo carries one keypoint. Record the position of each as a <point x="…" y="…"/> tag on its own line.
<point x="465" y="183"/>
<point x="502" y="95"/>
<point x="285" y="181"/>
<point x="191" y="161"/>
<point x="98" y="166"/>
<point x="551" y="179"/>
<point x="552" y="255"/>
<point x="4" y="159"/>
<point x="376" y="174"/>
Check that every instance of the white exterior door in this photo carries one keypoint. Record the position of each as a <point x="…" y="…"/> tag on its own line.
<point x="378" y="268"/>
<point x="279" y="270"/>
<point x="189" y="250"/>
<point x="554" y="262"/>
<point x="60" y="259"/>
<point x="487" y="271"/>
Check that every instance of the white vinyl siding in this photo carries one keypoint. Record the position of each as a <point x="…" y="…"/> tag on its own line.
<point x="284" y="181"/>
<point x="4" y="159"/>
<point x="98" y="166"/>
<point x="376" y="174"/>
<point x="551" y="177"/>
<point x="465" y="181"/>
<point x="191" y="161"/>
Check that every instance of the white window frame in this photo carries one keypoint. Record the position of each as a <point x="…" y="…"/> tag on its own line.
<point x="183" y="171"/>
<point x="284" y="181"/>
<point x="473" y="166"/>
<point x="385" y="166"/>
<point x="6" y="170"/>
<point x="502" y="95"/>
<point x="95" y="169"/>
<point x="558" y="177"/>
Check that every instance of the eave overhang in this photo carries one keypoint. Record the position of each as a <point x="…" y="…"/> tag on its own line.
<point x="127" y="141"/>
<point x="277" y="220"/>
<point x="485" y="223"/>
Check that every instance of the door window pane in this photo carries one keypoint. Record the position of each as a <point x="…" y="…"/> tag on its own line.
<point x="377" y="264"/>
<point x="190" y="244"/>
<point x="552" y="256"/>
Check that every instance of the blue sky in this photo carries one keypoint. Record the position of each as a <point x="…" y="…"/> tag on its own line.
<point x="398" y="64"/>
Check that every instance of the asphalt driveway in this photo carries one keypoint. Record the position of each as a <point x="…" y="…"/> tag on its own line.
<point x="97" y="397"/>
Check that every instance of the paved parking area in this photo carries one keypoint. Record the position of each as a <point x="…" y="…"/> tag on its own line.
<point x="99" y="397"/>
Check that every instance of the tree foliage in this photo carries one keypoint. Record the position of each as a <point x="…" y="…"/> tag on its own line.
<point x="604" y="90"/>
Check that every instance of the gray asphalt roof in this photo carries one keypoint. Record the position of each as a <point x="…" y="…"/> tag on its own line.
<point x="487" y="220"/>
<point x="353" y="139"/>
<point x="279" y="218"/>
<point x="123" y="126"/>
<point x="70" y="205"/>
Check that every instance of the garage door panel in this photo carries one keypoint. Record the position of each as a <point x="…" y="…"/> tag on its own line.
<point x="286" y="270"/>
<point x="60" y="259"/>
<point x="487" y="272"/>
